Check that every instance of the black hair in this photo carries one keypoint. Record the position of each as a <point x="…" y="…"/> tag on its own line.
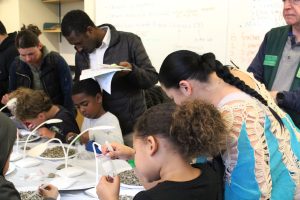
<point x="28" y="37"/>
<point x="77" y="21"/>
<point x="184" y="64"/>
<point x="193" y="128"/>
<point x="2" y="29"/>
<point x="88" y="86"/>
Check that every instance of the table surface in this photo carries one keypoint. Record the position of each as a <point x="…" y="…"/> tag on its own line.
<point x="38" y="175"/>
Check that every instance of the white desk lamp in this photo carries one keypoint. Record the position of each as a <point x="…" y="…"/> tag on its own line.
<point x="30" y="162"/>
<point x="112" y="171"/>
<point x="49" y="121"/>
<point x="75" y="171"/>
<point x="40" y="148"/>
<point x="16" y="155"/>
<point x="10" y="104"/>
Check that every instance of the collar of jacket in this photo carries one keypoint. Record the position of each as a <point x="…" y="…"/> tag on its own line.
<point x="9" y="41"/>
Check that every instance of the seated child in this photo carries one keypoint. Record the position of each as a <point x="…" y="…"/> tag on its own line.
<point x="8" y="134"/>
<point x="87" y="98"/>
<point x="34" y="107"/>
<point x="165" y="140"/>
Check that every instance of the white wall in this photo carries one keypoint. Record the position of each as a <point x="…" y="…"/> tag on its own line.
<point x="36" y="12"/>
<point x="232" y="29"/>
<point x="9" y="14"/>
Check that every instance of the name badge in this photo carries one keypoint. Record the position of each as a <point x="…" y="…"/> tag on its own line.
<point x="298" y="73"/>
<point x="270" y="60"/>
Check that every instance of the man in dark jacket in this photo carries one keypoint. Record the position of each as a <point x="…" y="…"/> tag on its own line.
<point x="8" y="52"/>
<point x="106" y="45"/>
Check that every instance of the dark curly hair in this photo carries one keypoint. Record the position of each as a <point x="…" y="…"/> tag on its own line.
<point x="77" y="21"/>
<point x="193" y="128"/>
<point x="184" y="64"/>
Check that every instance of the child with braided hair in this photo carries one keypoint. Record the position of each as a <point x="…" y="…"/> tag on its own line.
<point x="262" y="155"/>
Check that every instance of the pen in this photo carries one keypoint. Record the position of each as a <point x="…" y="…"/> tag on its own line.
<point x="109" y="147"/>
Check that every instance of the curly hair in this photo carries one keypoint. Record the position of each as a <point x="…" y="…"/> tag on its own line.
<point x="30" y="103"/>
<point x="194" y="128"/>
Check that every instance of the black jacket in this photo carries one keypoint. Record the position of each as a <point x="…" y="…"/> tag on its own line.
<point x="55" y="77"/>
<point x="8" y="52"/>
<point x="127" y="99"/>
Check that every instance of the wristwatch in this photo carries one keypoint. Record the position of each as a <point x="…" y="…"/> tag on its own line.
<point x="279" y="98"/>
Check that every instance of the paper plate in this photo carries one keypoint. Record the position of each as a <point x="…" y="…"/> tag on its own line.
<point x="14" y="156"/>
<point x="28" y="162"/>
<point x="33" y="189"/>
<point x="63" y="183"/>
<point x="59" y="158"/>
<point x="24" y="134"/>
<point x="12" y="167"/>
<point x="139" y="187"/>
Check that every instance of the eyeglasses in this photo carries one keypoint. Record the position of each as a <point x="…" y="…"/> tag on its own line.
<point x="294" y="2"/>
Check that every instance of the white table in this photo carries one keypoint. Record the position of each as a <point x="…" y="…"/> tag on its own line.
<point x="35" y="176"/>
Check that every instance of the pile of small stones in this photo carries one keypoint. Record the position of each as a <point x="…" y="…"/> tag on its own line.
<point x="24" y="138"/>
<point x="129" y="178"/>
<point x="24" y="196"/>
<point x="57" y="152"/>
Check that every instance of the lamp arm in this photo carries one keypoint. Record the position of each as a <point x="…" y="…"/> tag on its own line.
<point x="62" y="145"/>
<point x="49" y="121"/>
<point x="72" y="142"/>
<point x="3" y="107"/>
<point x="25" y="145"/>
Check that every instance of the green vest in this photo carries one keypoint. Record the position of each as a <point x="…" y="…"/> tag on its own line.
<point x="276" y="40"/>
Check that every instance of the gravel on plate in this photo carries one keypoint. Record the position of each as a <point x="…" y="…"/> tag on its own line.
<point x="129" y="178"/>
<point x="56" y="152"/>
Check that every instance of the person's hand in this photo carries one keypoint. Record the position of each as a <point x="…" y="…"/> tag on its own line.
<point x="46" y="133"/>
<point x="50" y="191"/>
<point x="120" y="151"/>
<point x="274" y="94"/>
<point x="124" y="72"/>
<point x="5" y="99"/>
<point x="108" y="188"/>
<point x="70" y="137"/>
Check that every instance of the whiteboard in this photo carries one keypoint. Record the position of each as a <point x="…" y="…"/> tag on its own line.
<point x="231" y="29"/>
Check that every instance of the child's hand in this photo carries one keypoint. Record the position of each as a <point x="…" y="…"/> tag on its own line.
<point x="120" y="151"/>
<point x="70" y="137"/>
<point x="108" y="188"/>
<point x="46" y="133"/>
<point x="5" y="99"/>
<point x="50" y="191"/>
